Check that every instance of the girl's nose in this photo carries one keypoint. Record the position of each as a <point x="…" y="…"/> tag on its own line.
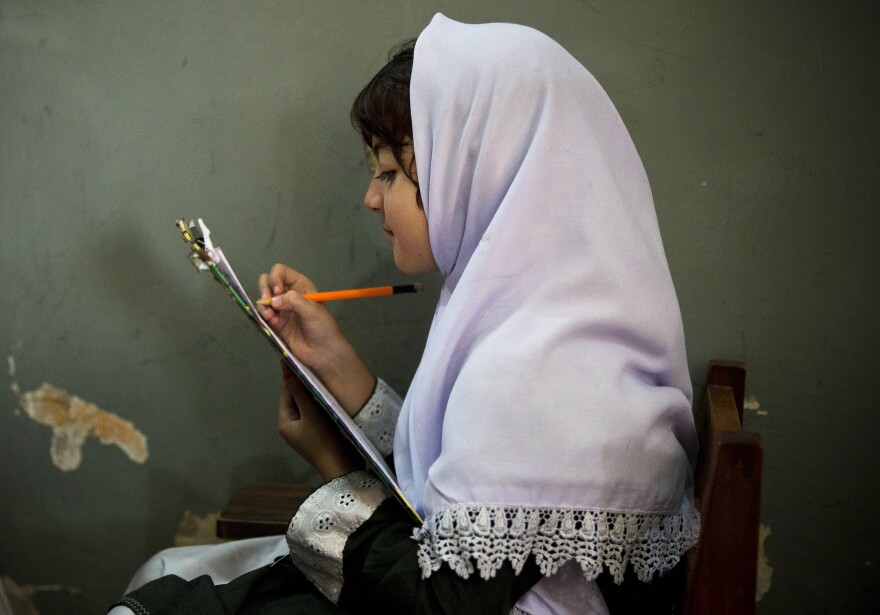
<point x="373" y="197"/>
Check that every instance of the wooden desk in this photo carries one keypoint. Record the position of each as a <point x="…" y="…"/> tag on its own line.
<point x="262" y="509"/>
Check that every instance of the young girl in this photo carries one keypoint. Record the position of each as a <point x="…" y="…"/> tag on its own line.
<point x="547" y="436"/>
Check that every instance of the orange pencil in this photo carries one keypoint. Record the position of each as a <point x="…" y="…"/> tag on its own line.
<point x="355" y="293"/>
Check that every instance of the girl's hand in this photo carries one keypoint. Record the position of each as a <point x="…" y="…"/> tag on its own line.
<point x="310" y="432"/>
<point x="307" y="328"/>
<point x="314" y="337"/>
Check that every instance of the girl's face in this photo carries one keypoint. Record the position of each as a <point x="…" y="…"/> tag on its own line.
<point x="392" y="195"/>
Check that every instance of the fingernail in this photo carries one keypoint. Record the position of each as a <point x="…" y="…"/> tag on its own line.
<point x="276" y="302"/>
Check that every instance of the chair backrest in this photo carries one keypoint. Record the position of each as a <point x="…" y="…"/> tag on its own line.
<point x="722" y="569"/>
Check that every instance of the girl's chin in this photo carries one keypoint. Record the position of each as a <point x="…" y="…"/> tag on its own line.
<point x="403" y="265"/>
<point x="414" y="265"/>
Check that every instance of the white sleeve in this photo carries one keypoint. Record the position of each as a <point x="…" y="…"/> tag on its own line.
<point x="318" y="532"/>
<point x="378" y="418"/>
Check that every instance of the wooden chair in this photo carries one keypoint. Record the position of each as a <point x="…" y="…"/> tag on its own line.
<point x="722" y="568"/>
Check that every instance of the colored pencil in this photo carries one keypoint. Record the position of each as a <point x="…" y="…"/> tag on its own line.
<point x="354" y="293"/>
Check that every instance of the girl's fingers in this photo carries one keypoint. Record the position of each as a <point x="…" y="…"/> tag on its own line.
<point x="288" y="409"/>
<point x="282" y="278"/>
<point x="286" y="301"/>
<point x="266" y="312"/>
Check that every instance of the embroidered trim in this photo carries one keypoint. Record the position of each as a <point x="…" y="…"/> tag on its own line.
<point x="318" y="532"/>
<point x="135" y="606"/>
<point x="378" y="418"/>
<point x="462" y="535"/>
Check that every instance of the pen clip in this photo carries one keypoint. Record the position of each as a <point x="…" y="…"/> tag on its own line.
<point x="206" y="237"/>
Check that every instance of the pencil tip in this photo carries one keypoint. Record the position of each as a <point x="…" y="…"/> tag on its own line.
<point x="417" y="287"/>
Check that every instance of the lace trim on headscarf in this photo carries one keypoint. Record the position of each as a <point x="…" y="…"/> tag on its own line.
<point x="464" y="536"/>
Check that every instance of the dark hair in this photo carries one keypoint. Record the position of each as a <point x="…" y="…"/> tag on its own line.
<point x="381" y="110"/>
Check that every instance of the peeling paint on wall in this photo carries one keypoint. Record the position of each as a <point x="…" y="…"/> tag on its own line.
<point x="5" y="607"/>
<point x="196" y="530"/>
<point x="20" y="597"/>
<point x="750" y="402"/>
<point x="10" y="360"/>
<point x="73" y="420"/>
<point x="765" y="570"/>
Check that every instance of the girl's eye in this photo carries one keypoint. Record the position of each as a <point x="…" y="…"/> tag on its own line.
<point x="386" y="177"/>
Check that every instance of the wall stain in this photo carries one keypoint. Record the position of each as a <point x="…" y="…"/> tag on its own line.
<point x="10" y="360"/>
<point x="196" y="530"/>
<point x="73" y="420"/>
<point x="19" y="598"/>
<point x="750" y="402"/>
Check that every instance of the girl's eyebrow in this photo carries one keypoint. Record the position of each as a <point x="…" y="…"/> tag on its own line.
<point x="372" y="161"/>
<point x="383" y="151"/>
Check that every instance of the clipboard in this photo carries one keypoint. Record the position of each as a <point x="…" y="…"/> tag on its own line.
<point x="206" y="256"/>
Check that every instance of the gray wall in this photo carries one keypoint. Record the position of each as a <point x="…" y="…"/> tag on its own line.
<point x="757" y="122"/>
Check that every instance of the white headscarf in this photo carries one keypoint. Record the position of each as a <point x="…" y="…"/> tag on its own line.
<point x="551" y="412"/>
